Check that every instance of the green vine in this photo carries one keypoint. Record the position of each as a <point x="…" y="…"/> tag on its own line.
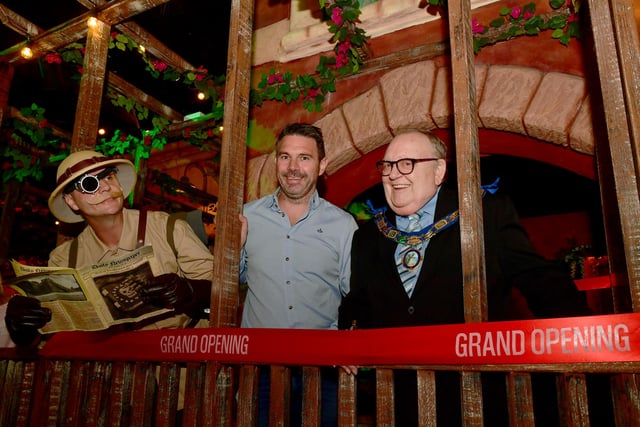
<point x="349" y="53"/>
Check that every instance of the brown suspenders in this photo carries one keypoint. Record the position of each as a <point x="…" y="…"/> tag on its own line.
<point x="142" y="228"/>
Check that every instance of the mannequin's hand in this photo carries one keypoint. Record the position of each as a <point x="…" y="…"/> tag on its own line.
<point x="169" y="291"/>
<point x="24" y="317"/>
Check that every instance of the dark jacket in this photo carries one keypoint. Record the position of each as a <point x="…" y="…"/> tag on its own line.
<point x="378" y="300"/>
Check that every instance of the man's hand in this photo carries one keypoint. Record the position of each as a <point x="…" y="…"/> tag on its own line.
<point x="244" y="229"/>
<point x="24" y="317"/>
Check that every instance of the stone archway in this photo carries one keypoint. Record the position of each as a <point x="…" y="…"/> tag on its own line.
<point x="549" y="108"/>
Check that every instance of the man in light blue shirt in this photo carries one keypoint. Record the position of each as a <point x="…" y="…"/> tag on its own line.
<point x="296" y="251"/>
<point x="296" y="258"/>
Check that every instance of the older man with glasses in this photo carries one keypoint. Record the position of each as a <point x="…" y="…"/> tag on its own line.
<point x="406" y="267"/>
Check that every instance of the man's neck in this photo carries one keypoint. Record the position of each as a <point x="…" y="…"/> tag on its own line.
<point x="108" y="228"/>
<point x="294" y="208"/>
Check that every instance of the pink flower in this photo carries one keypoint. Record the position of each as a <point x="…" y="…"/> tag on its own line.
<point x="516" y="12"/>
<point x="114" y="34"/>
<point x="158" y="65"/>
<point x="344" y="47"/>
<point x="274" y="78"/>
<point x="80" y="69"/>
<point x="341" y="60"/>
<point x="311" y="94"/>
<point x="336" y="16"/>
<point x="476" y="28"/>
<point x="528" y="14"/>
<point x="53" y="58"/>
<point x="572" y="18"/>
<point x="201" y="73"/>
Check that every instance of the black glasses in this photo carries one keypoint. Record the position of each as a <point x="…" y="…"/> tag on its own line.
<point x="404" y="166"/>
<point x="88" y="183"/>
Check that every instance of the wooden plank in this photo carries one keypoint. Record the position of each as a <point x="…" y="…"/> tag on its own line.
<point x="426" y="398"/>
<point x="626" y="399"/>
<point x="311" y="396"/>
<point x="167" y="403"/>
<point x="572" y="400"/>
<point x="248" y="392"/>
<point x="279" y="396"/>
<point x="194" y="384"/>
<point x="78" y="379"/>
<point x="119" y="399"/>
<point x="347" y="399"/>
<point x="469" y="197"/>
<point x="224" y="396"/>
<point x="126" y="89"/>
<point x="142" y="402"/>
<point x="95" y="392"/>
<point x="620" y="145"/>
<point x="385" y="400"/>
<point x="471" y="389"/>
<point x="51" y="400"/>
<point x="224" y="295"/>
<point x="520" y="400"/>
<point x="87" y="119"/>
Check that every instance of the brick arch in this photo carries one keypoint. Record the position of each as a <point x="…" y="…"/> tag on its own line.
<point x="548" y="112"/>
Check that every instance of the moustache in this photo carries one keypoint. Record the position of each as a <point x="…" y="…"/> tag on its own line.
<point x="294" y="175"/>
<point x="105" y="196"/>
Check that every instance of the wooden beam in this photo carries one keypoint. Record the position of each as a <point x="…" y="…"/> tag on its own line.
<point x="154" y="46"/>
<point x="17" y="23"/>
<point x="85" y="125"/>
<point x="126" y="89"/>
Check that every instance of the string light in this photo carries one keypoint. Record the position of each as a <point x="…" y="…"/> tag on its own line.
<point x="26" y="52"/>
<point x="141" y="49"/>
<point x="92" y="22"/>
<point x="201" y="96"/>
<point x="102" y="131"/>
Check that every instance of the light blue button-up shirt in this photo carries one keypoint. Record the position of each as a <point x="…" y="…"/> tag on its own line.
<point x="297" y="274"/>
<point x="427" y="213"/>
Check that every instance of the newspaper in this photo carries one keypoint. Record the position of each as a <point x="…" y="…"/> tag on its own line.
<point x="94" y="297"/>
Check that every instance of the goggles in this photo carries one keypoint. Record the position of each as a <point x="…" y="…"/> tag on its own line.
<point x="88" y="183"/>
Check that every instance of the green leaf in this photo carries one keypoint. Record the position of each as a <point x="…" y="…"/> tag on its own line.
<point x="557" y="34"/>
<point x="498" y="22"/>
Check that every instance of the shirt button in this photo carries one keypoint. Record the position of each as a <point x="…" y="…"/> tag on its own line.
<point x="290" y="307"/>
<point x="288" y="282"/>
<point x="286" y="259"/>
<point x="288" y="237"/>
<point x="411" y="309"/>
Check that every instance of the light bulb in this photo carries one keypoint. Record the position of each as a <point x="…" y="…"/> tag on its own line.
<point x="92" y="22"/>
<point x="26" y="52"/>
<point x="101" y="131"/>
<point x="201" y="96"/>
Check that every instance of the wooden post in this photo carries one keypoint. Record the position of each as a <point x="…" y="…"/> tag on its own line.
<point x="224" y="291"/>
<point x="85" y="126"/>
<point x="470" y="201"/>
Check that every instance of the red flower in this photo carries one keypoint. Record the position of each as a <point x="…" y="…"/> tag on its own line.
<point x="187" y="133"/>
<point x="476" y="28"/>
<point x="274" y="78"/>
<point x="528" y="14"/>
<point x="516" y="12"/>
<point x="43" y="123"/>
<point x="147" y="140"/>
<point x="19" y="164"/>
<point x="311" y="94"/>
<point x="80" y="69"/>
<point x="201" y="73"/>
<point x="114" y="34"/>
<point x="53" y="58"/>
<point x="6" y="165"/>
<point x="159" y="65"/>
<point x="63" y="146"/>
<point x="336" y="16"/>
<point x="210" y="133"/>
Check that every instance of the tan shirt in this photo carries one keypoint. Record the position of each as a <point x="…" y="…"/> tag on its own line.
<point x="194" y="260"/>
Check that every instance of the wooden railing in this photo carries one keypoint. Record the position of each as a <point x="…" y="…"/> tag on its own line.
<point x="41" y="391"/>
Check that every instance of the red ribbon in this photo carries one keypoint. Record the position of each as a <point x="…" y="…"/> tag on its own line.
<point x="610" y="338"/>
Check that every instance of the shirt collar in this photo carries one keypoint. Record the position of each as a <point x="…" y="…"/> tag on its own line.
<point x="426" y="212"/>
<point x="314" y="201"/>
